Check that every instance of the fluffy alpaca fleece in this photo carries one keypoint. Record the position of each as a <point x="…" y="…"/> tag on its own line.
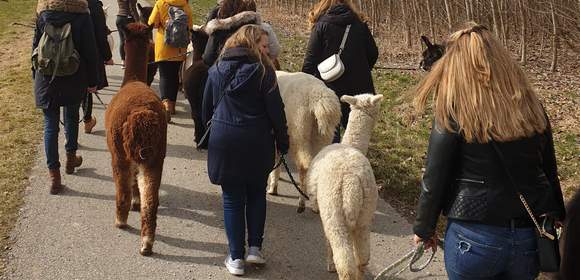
<point x="342" y="183"/>
<point x="312" y="113"/>
<point x="136" y="127"/>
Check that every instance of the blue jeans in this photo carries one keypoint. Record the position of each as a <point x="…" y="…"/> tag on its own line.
<point x="244" y="202"/>
<point x="476" y="251"/>
<point x="51" y="128"/>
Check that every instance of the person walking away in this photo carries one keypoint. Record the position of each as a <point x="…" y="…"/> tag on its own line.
<point x="243" y="102"/>
<point x="489" y="125"/>
<point x="104" y="57"/>
<point x="170" y="48"/>
<point x="127" y="14"/>
<point x="328" y="20"/>
<point x="62" y="79"/>
<point x="231" y="15"/>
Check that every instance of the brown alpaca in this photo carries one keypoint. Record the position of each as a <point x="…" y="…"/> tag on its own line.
<point x="136" y="128"/>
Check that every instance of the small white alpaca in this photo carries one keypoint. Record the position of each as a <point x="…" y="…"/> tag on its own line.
<point x="312" y="112"/>
<point x="342" y="184"/>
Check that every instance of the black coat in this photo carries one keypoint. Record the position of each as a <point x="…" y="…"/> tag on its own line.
<point x="247" y="121"/>
<point x="466" y="181"/>
<point x="101" y="33"/>
<point x="71" y="89"/>
<point x="359" y="55"/>
<point x="219" y="30"/>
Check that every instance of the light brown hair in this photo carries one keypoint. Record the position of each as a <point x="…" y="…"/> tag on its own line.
<point x="477" y="85"/>
<point x="323" y="6"/>
<point x="248" y="36"/>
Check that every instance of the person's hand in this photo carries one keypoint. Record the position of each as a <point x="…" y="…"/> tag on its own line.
<point x="92" y="89"/>
<point x="429" y="243"/>
<point x="110" y="62"/>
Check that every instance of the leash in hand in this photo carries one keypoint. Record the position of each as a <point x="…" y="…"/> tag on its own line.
<point x="415" y="255"/>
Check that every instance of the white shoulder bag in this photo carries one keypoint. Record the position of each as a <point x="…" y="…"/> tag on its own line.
<point x="332" y="68"/>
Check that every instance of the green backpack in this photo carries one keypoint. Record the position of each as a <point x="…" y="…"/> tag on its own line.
<point x="56" y="54"/>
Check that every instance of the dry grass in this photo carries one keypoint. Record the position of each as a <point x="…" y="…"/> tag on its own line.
<point x="20" y="123"/>
<point x="399" y="143"/>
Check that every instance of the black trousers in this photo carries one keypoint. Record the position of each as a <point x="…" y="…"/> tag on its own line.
<point x="169" y="79"/>
<point x="87" y="106"/>
<point x="121" y="23"/>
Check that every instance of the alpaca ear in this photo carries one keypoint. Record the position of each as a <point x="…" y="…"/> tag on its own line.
<point x="426" y="41"/>
<point x="140" y="7"/>
<point x="348" y="99"/>
<point x="376" y="99"/>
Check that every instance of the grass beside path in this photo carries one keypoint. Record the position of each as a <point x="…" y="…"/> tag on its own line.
<point x="20" y="122"/>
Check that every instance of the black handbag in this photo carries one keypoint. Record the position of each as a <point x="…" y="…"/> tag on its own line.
<point x="547" y="238"/>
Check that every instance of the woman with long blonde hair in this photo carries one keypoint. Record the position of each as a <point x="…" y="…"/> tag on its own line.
<point x="490" y="136"/>
<point x="242" y="101"/>
<point x="329" y="21"/>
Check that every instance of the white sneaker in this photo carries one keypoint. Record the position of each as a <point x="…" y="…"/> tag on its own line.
<point x="235" y="267"/>
<point x="255" y="256"/>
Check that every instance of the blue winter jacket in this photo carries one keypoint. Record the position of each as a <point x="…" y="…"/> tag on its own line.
<point x="247" y="122"/>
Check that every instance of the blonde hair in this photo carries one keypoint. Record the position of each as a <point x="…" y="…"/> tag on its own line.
<point x="323" y="6"/>
<point x="477" y="85"/>
<point x="249" y="36"/>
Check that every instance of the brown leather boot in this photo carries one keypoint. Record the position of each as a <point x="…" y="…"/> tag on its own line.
<point x="167" y="108"/>
<point x="72" y="161"/>
<point x="55" y="183"/>
<point x="90" y="124"/>
<point x="171" y="107"/>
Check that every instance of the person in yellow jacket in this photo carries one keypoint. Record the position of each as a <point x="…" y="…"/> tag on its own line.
<point x="168" y="58"/>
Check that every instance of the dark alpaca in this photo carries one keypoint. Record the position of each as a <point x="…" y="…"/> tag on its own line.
<point x="136" y="127"/>
<point x="194" y="78"/>
<point x="145" y="12"/>
<point x="570" y="244"/>
<point x="431" y="54"/>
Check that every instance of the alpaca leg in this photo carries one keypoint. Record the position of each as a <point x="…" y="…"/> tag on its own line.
<point x="122" y="178"/>
<point x="149" y="182"/>
<point x="274" y="178"/>
<point x="362" y="248"/>
<point x="136" y="197"/>
<point x="329" y="262"/>
<point x="303" y="188"/>
<point x="342" y="253"/>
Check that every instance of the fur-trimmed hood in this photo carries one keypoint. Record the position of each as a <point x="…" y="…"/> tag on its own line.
<point x="69" y="6"/>
<point x="232" y="22"/>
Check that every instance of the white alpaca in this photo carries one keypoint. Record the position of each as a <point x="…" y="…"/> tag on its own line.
<point x="342" y="182"/>
<point x="312" y="113"/>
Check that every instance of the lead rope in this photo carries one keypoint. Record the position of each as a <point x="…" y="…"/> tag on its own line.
<point x="415" y="255"/>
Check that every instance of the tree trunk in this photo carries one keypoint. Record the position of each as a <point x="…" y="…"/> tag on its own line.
<point x="524" y="20"/>
<point x="431" y="29"/>
<point x="449" y="23"/>
<point x="494" y="17"/>
<point x="555" y="41"/>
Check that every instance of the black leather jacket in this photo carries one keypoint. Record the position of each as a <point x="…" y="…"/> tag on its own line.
<point x="467" y="181"/>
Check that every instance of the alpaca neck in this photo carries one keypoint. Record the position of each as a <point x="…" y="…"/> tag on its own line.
<point x="136" y="63"/>
<point x="358" y="130"/>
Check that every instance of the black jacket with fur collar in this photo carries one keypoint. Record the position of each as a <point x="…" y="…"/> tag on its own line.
<point x="219" y="30"/>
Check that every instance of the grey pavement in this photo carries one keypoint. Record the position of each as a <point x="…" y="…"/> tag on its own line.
<point x="72" y="235"/>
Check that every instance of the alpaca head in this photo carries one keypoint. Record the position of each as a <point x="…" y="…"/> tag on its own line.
<point x="144" y="13"/>
<point x="367" y="103"/>
<point x="198" y="40"/>
<point x="137" y="34"/>
<point x="431" y="54"/>
<point x="364" y="112"/>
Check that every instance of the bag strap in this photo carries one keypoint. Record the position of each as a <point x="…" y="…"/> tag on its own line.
<point x="541" y="230"/>
<point x="344" y="40"/>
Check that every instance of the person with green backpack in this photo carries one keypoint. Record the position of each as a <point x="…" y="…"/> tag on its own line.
<point x="64" y="61"/>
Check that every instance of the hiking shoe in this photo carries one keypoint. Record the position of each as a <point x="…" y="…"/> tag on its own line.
<point x="72" y="161"/>
<point x="90" y="124"/>
<point x="235" y="267"/>
<point x="55" y="183"/>
<point x="255" y="256"/>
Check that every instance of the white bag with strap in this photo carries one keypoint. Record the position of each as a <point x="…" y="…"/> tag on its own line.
<point x="332" y="68"/>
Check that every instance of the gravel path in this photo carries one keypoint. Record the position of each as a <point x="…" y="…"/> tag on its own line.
<point x="71" y="236"/>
